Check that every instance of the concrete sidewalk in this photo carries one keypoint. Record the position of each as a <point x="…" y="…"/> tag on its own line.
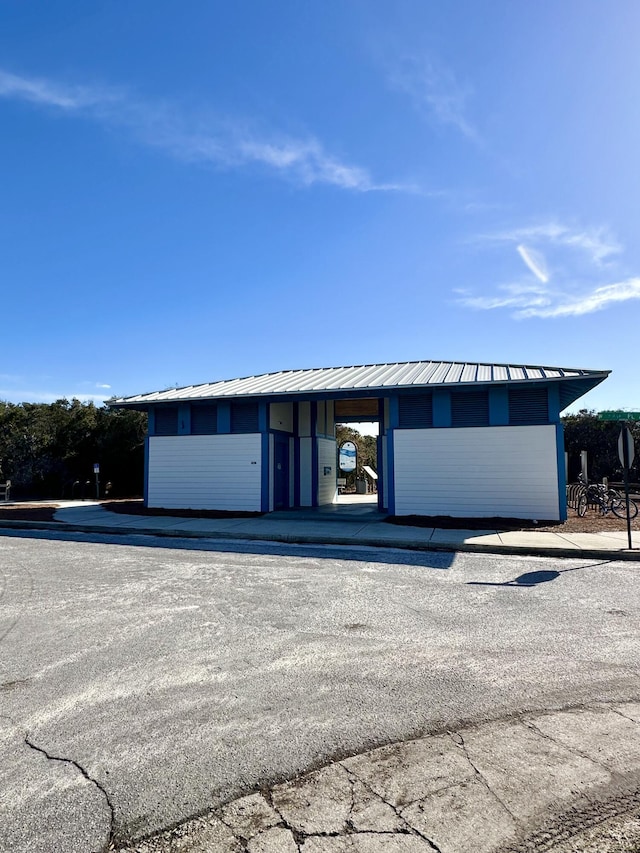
<point x="357" y="530"/>
<point x="560" y="782"/>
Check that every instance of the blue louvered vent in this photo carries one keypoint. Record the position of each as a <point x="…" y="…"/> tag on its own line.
<point x="244" y="417"/>
<point x="469" y="408"/>
<point x="528" y="406"/>
<point x="166" y="420"/>
<point x="415" y="412"/>
<point x="204" y="420"/>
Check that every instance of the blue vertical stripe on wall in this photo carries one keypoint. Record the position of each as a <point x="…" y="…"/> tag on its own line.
<point x="184" y="419"/>
<point x="265" y="472"/>
<point x="554" y="404"/>
<point x="394" y="419"/>
<point x="441" y="408"/>
<point x="314" y="453"/>
<point x="296" y="454"/>
<point x="379" y="441"/>
<point x="145" y="485"/>
<point x="151" y="420"/>
<point x="498" y="406"/>
<point x="263" y="426"/>
<point x="562" y="478"/>
<point x="263" y="417"/>
<point x="224" y="417"/>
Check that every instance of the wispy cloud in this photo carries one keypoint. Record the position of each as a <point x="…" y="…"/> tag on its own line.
<point x="223" y="143"/>
<point x="566" y="305"/>
<point x="597" y="243"/>
<point x="578" y="281"/>
<point x="435" y="92"/>
<point x="41" y="91"/>
<point x="535" y="261"/>
<point x="28" y="395"/>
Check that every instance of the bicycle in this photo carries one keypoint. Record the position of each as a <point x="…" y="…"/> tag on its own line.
<point x="608" y="500"/>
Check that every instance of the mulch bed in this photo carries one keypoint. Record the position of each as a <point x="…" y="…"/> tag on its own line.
<point x="591" y="523"/>
<point x="136" y="507"/>
<point x="41" y="512"/>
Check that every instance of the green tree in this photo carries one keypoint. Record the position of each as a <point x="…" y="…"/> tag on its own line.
<point x="585" y="431"/>
<point x="367" y="451"/>
<point x="45" y="448"/>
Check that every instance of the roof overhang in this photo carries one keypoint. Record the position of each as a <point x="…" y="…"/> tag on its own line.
<point x="372" y="381"/>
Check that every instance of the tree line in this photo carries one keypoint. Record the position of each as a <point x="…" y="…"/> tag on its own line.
<point x="48" y="450"/>
<point x="585" y="431"/>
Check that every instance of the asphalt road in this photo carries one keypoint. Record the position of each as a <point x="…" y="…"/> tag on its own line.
<point x="143" y="681"/>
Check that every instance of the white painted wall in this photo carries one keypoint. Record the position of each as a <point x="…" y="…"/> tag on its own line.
<point x="281" y="416"/>
<point x="205" y="471"/>
<point x="327" y="489"/>
<point x="321" y="418"/>
<point x="304" y="419"/>
<point x="503" y="471"/>
<point x="330" y="425"/>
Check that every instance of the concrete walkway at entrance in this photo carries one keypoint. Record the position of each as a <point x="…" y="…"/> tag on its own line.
<point x="357" y="524"/>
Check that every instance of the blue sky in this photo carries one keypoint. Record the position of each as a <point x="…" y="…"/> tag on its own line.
<point x="198" y="191"/>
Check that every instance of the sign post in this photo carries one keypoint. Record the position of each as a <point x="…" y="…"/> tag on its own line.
<point x="96" y="471"/>
<point x="626" y="452"/>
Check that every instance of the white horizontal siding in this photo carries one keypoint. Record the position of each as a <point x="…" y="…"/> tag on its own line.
<point x="205" y="472"/>
<point x="503" y="471"/>
<point x="327" y="483"/>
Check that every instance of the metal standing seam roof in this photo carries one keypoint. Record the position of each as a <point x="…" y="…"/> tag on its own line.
<point x="364" y="378"/>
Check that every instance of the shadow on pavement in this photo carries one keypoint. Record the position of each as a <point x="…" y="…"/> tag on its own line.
<point x="359" y="553"/>
<point x="529" y="579"/>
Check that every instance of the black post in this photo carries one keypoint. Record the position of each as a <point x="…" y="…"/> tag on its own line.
<point x="625" y="468"/>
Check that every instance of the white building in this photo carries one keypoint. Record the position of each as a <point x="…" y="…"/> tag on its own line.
<point x="455" y="438"/>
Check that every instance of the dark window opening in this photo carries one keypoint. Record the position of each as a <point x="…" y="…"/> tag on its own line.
<point x="528" y="406"/>
<point x="415" y="412"/>
<point x="166" y="420"/>
<point x="469" y="408"/>
<point x="244" y="417"/>
<point x="204" y="420"/>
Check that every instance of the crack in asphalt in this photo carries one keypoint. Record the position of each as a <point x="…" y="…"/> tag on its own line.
<point x="532" y="726"/>
<point x="23" y="604"/>
<point x="98" y="785"/>
<point x="624" y="716"/>
<point x="408" y="829"/>
<point x="298" y="837"/>
<point x="458" y="740"/>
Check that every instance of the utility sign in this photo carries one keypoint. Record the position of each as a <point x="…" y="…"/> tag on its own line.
<point x="348" y="457"/>
<point x="96" y="468"/>
<point x="626" y="449"/>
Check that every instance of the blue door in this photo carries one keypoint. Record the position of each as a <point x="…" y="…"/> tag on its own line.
<point x="281" y="472"/>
